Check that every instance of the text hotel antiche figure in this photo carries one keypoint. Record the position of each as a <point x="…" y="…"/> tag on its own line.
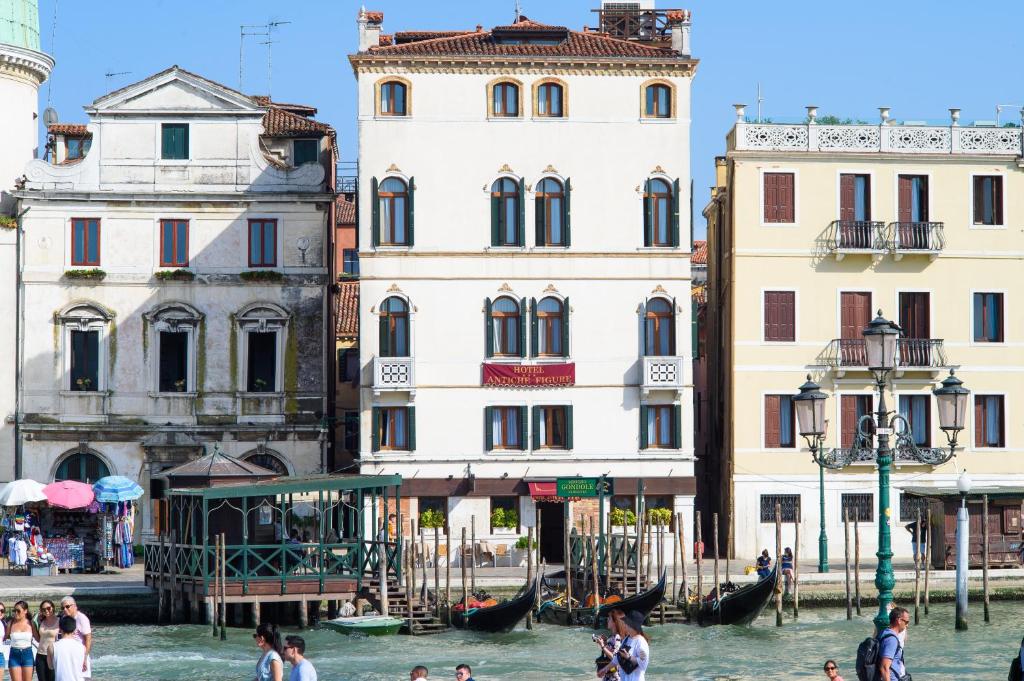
<point x="516" y="375"/>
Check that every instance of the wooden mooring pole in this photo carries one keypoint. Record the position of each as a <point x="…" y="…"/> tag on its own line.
<point x="529" y="571"/>
<point x="698" y="549"/>
<point x="472" y="553"/>
<point x="778" y="557"/>
<point x="567" y="550"/>
<point x="917" y="571"/>
<point x="674" y="529"/>
<point x="984" y="553"/>
<point x="437" y="572"/>
<point x="448" y="574"/>
<point x="214" y="619"/>
<point x="462" y="562"/>
<point x="846" y="562"/>
<point x="856" y="560"/>
<point x="223" y="587"/>
<point x="927" y="557"/>
<point x="796" y="567"/>
<point x="681" y="539"/>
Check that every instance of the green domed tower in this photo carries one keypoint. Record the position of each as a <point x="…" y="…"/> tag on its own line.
<point x="19" y="23"/>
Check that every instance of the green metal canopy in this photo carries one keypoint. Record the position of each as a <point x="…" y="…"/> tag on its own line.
<point x="994" y="492"/>
<point x="293" y="485"/>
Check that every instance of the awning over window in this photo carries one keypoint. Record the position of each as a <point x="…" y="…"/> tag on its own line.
<point x="543" y="489"/>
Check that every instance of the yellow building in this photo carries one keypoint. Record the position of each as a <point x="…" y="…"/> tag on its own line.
<point x="812" y="229"/>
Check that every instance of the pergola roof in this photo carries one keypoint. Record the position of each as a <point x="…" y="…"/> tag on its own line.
<point x="293" y="485"/>
<point x="994" y="492"/>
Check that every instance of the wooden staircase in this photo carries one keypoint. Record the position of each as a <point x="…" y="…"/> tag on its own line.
<point x="423" y="620"/>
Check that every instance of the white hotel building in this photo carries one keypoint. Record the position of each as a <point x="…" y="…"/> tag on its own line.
<point x="525" y="195"/>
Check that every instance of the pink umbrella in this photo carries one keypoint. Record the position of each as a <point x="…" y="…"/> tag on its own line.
<point x="69" y="494"/>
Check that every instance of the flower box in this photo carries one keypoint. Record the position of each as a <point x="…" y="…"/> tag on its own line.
<point x="8" y="222"/>
<point x="175" y="275"/>
<point x="94" y="274"/>
<point x="261" y="275"/>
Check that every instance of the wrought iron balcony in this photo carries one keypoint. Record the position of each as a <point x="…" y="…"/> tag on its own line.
<point x="925" y="238"/>
<point x="663" y="373"/>
<point x="866" y="456"/>
<point x="394" y="374"/>
<point x="844" y="354"/>
<point x="846" y="237"/>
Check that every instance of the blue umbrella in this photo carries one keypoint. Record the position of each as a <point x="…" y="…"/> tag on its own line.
<point x="114" y="488"/>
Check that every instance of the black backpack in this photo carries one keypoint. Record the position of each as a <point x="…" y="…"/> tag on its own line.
<point x="868" y="657"/>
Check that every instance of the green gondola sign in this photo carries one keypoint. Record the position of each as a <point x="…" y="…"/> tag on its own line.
<point x="583" y="487"/>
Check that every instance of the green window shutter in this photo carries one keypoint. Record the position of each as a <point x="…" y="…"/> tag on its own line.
<point x="375" y="430"/>
<point x="384" y="331"/>
<point x="488" y="328"/>
<point x="495" y="221"/>
<point x="677" y="426"/>
<point x="643" y="329"/>
<point x="568" y="427"/>
<point x="565" y="328"/>
<point x="523" y="420"/>
<point x="538" y="220"/>
<point x="675" y="213"/>
<point x="167" y="142"/>
<point x="522" y="327"/>
<point x="694" y="329"/>
<point x="643" y="426"/>
<point x="648" y="208"/>
<point x="375" y="212"/>
<point x="488" y="428"/>
<point x="410" y="419"/>
<point x="536" y="427"/>
<point x="411" y="233"/>
<point x="521" y="232"/>
<point x="566" y="215"/>
<point x="533" y="327"/>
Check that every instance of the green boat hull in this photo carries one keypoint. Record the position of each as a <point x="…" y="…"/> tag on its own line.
<point x="365" y="626"/>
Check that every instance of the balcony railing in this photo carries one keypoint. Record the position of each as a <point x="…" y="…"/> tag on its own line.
<point x="852" y="236"/>
<point x="394" y="373"/>
<point x="663" y="373"/>
<point x="862" y="456"/>
<point x="911" y="353"/>
<point x="916" y="237"/>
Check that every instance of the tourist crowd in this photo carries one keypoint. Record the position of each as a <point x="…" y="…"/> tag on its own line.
<point x="53" y="646"/>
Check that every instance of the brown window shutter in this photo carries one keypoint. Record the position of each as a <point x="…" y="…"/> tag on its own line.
<point x="771" y="203"/>
<point x="979" y="200"/>
<point x="846" y="197"/>
<point x="997" y="199"/>
<point x="979" y="421"/>
<point x="905" y="187"/>
<point x="867" y="197"/>
<point x="787" y="310"/>
<point x="771" y="421"/>
<point x="848" y="419"/>
<point x="785" y="197"/>
<point x="771" y="324"/>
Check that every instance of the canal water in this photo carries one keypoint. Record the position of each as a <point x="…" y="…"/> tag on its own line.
<point x="762" y="651"/>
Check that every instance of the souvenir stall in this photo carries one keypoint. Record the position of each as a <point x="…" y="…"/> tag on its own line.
<point x="116" y="496"/>
<point x="72" y="528"/>
<point x="20" y="535"/>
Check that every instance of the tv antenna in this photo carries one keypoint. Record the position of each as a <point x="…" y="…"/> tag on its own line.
<point x="759" y="100"/>
<point x="114" y="74"/>
<point x="519" y="11"/>
<point x="262" y="31"/>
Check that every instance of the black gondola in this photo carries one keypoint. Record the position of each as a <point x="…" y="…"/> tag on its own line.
<point x="501" y="618"/>
<point x="645" y="602"/>
<point x="741" y="606"/>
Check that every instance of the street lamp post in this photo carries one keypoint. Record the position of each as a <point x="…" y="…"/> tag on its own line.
<point x="810" y="415"/>
<point x="880" y="343"/>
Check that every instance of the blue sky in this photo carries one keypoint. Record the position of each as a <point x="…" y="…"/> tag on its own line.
<point x="918" y="57"/>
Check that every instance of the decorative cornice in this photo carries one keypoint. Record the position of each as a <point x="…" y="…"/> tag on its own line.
<point x="29" y="65"/>
<point x="364" y="63"/>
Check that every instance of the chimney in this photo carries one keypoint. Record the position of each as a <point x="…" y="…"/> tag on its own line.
<point x="369" y="29"/>
<point x="679" y="21"/>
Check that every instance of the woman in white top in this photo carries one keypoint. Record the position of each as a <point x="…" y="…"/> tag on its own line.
<point x="268" y="639"/>
<point x="22" y="631"/>
<point x="634" y="654"/>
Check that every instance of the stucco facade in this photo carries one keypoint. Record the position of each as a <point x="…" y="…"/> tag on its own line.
<point x="450" y="148"/>
<point x="860" y="237"/>
<point x="175" y="302"/>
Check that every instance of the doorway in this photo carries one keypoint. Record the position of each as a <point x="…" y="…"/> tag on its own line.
<point x="552" y="531"/>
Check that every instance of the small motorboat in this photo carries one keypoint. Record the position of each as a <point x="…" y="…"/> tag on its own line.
<point x="741" y="606"/>
<point x="556" y="613"/>
<point x="367" y="625"/>
<point x="501" y="618"/>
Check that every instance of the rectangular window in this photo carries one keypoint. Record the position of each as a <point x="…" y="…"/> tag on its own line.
<point x="305" y="151"/>
<point x="988" y="317"/>
<point x="85" y="361"/>
<point x="350" y="423"/>
<point x="913" y="206"/>
<point x="853" y="408"/>
<point x="552" y="427"/>
<point x="989" y="421"/>
<point x="435" y="505"/>
<point x="174" y="141"/>
<point x="173" y="243"/>
<point x="854" y="198"/>
<point x="394" y="428"/>
<point x="350" y="261"/>
<point x="988" y="200"/>
<point x="85" y="241"/>
<point x="779" y="198"/>
<point x="262" y="243"/>
<point x="916" y="409"/>
<point x="505" y="513"/>
<point x="76" y="147"/>
<point x="661" y="426"/>
<point x="910" y="506"/>
<point x="789" y="510"/>
<point x="262" y="353"/>
<point x="861" y="507"/>
<point x="506" y="427"/>
<point x="779" y="432"/>
<point x="780" y="316"/>
<point x="348" y="365"/>
<point x="173" y="362"/>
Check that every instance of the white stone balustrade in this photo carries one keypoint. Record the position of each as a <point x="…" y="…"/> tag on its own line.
<point x="664" y="373"/>
<point x="394" y="373"/>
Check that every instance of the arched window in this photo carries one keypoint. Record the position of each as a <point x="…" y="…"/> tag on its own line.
<point x="83" y="467"/>
<point x="266" y="460"/>
<point x="659" y="329"/>
<point x="552" y="213"/>
<point x="551" y="329"/>
<point x="549" y="100"/>
<point x="393" y="96"/>
<point x="506" y="212"/>
<point x="392" y="211"/>
<point x="84" y="333"/>
<point x="174" y="328"/>
<point x="661" y="221"/>
<point x="394" y="328"/>
<point x="263" y="329"/>
<point x="505" y="99"/>
<point x="506" y="328"/>
<point x="658" y="101"/>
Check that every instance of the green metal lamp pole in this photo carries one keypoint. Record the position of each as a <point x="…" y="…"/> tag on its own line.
<point x="884" y="578"/>
<point x="822" y="534"/>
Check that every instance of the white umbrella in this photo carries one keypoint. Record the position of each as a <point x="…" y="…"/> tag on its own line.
<point x="18" y="492"/>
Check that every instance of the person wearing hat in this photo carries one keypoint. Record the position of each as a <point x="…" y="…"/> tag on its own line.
<point x="634" y="654"/>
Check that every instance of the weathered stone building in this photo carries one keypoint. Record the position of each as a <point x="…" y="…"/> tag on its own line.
<point x="176" y="260"/>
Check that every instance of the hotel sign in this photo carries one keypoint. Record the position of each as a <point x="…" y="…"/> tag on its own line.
<point x="530" y="376"/>
<point x="583" y="487"/>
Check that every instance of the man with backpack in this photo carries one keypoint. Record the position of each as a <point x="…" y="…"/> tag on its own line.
<point x="881" y="658"/>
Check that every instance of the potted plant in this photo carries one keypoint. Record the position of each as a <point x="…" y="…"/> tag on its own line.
<point x="659" y="516"/>
<point x="519" y="552"/>
<point x="504" y="521"/>
<point x="620" y="516"/>
<point x="261" y="385"/>
<point x="84" y="384"/>
<point x="179" y="385"/>
<point x="430" y="519"/>
<point x="91" y="274"/>
<point x="261" y="275"/>
<point x="8" y="222"/>
<point x="180" y="274"/>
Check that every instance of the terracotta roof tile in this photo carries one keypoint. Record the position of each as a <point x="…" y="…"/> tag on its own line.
<point x="281" y="123"/>
<point x="483" y="43"/>
<point x="386" y="39"/>
<point x="700" y="253"/>
<point x="345" y="211"/>
<point x="404" y="37"/>
<point x="69" y="129"/>
<point x="300" y="109"/>
<point x="375" y="17"/>
<point x="347" y="310"/>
